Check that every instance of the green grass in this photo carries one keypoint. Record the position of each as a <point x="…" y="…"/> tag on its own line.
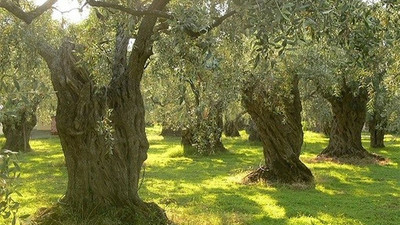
<point x="207" y="190"/>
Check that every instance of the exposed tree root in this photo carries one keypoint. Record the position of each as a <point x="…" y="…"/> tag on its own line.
<point x="362" y="159"/>
<point x="145" y="214"/>
<point x="263" y="174"/>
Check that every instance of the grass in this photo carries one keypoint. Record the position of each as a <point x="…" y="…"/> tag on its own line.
<point x="207" y="190"/>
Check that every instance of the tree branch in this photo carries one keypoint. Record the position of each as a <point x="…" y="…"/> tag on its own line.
<point x="27" y="17"/>
<point x="195" y="34"/>
<point x="130" y="11"/>
<point x="194" y="90"/>
<point x="218" y="21"/>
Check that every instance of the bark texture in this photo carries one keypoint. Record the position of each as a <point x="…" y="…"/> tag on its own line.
<point x="349" y="113"/>
<point x="102" y="131"/>
<point x="253" y="131"/>
<point x="281" y="135"/>
<point x="203" y="137"/>
<point x="171" y="131"/>
<point x="231" y="129"/>
<point x="17" y="130"/>
<point x="376" y="127"/>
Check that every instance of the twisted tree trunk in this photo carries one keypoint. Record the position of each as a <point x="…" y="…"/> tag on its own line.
<point x="17" y="130"/>
<point x="253" y="131"/>
<point x="170" y="131"/>
<point x="102" y="131"/>
<point x="376" y="126"/>
<point x="281" y="135"/>
<point x="349" y="113"/>
<point x="206" y="135"/>
<point x="231" y="129"/>
<point x="203" y="136"/>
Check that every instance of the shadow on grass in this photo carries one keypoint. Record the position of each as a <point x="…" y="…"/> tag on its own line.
<point x="207" y="190"/>
<point x="344" y="194"/>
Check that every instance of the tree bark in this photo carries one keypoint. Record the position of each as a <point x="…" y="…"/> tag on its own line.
<point x="231" y="129"/>
<point x="217" y="133"/>
<point x="349" y="113"/>
<point x="326" y="128"/>
<point x="171" y="131"/>
<point x="281" y="135"/>
<point x="253" y="131"/>
<point x="102" y="131"/>
<point x="17" y="131"/>
<point x="205" y="135"/>
<point x="376" y="126"/>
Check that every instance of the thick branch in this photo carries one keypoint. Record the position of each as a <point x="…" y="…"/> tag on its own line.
<point x="194" y="90"/>
<point x="195" y="34"/>
<point x="218" y="21"/>
<point x="27" y="17"/>
<point x="133" y="12"/>
<point x="45" y="49"/>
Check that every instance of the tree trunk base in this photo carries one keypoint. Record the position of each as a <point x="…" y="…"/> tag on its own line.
<point x="231" y="130"/>
<point x="377" y="139"/>
<point x="145" y="213"/>
<point x="302" y="176"/>
<point x="253" y="132"/>
<point x="353" y="157"/>
<point x="190" y="150"/>
<point x="170" y="132"/>
<point x="380" y="145"/>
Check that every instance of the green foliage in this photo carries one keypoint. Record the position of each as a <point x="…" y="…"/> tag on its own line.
<point x="276" y="25"/>
<point x="191" y="80"/>
<point x="316" y="114"/>
<point x="96" y="40"/>
<point x="24" y="79"/>
<point x="392" y="94"/>
<point x="9" y="173"/>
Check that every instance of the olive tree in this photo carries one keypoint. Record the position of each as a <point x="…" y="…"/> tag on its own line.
<point x="196" y="73"/>
<point x="102" y="127"/>
<point x="23" y="85"/>
<point x="342" y="66"/>
<point x="271" y="93"/>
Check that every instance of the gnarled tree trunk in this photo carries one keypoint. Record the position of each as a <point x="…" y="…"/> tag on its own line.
<point x="217" y="133"/>
<point x="376" y="126"/>
<point x="171" y="131"/>
<point x="282" y="137"/>
<point x="17" y="130"/>
<point x="349" y="113"/>
<point x="231" y="129"/>
<point x="326" y="128"/>
<point x="102" y="132"/>
<point x="205" y="135"/>
<point x="253" y="131"/>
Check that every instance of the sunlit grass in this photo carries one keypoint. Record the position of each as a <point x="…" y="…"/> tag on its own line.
<point x="208" y="190"/>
